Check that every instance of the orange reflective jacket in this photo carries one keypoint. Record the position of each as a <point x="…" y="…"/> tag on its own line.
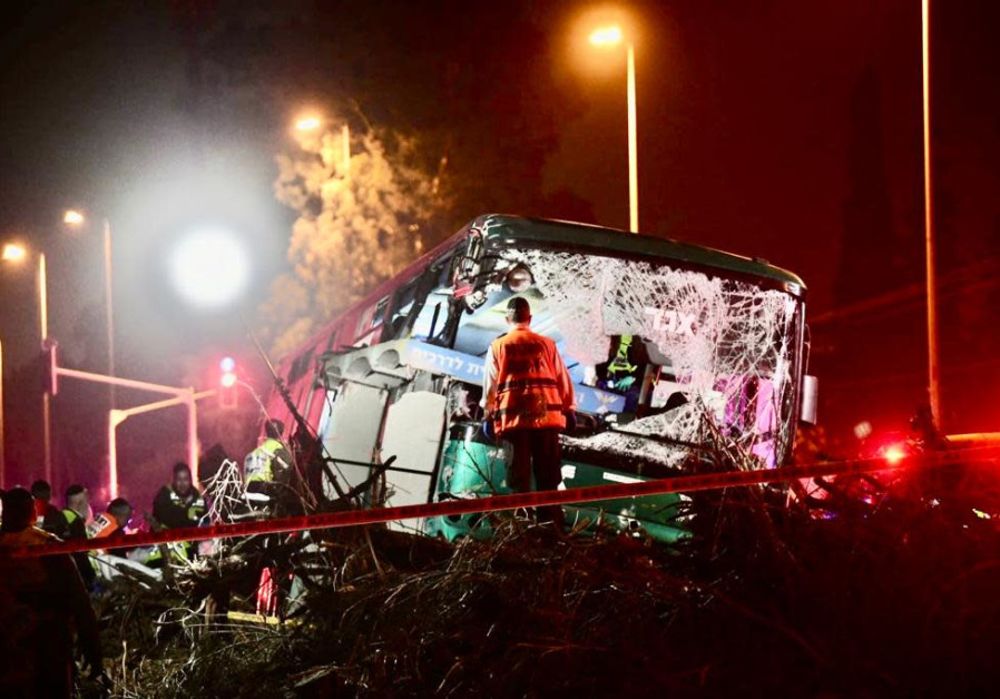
<point x="102" y="526"/>
<point x="532" y="386"/>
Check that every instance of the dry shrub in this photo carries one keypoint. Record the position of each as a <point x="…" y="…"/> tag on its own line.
<point x="892" y="598"/>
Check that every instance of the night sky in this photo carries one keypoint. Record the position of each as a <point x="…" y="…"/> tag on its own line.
<point x="782" y="129"/>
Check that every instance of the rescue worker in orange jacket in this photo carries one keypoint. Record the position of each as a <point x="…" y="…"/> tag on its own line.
<point x="528" y="397"/>
<point x="113" y="522"/>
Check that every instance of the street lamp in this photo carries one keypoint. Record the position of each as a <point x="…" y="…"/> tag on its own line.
<point x="16" y="253"/>
<point x="606" y="36"/>
<point x="609" y="36"/>
<point x="308" y="122"/>
<point x="13" y="252"/>
<point x="74" y="218"/>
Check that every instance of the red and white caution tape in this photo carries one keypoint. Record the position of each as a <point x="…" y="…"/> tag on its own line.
<point x="676" y="484"/>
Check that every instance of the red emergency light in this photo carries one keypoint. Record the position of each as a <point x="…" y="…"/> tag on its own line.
<point x="894" y="453"/>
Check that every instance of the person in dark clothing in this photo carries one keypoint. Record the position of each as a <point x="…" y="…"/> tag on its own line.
<point x="176" y="506"/>
<point x="42" y="601"/>
<point x="47" y="515"/>
<point x="179" y="504"/>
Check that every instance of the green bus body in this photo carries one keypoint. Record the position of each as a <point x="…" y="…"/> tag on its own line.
<point x="429" y="322"/>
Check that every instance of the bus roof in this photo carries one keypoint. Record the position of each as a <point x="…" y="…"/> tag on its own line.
<point x="588" y="237"/>
<point x="567" y="234"/>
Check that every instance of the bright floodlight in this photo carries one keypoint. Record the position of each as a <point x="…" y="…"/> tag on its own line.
<point x="12" y="252"/>
<point x="308" y="123"/>
<point x="72" y="217"/>
<point x="209" y="268"/>
<point x="606" y="36"/>
<point x="227" y="364"/>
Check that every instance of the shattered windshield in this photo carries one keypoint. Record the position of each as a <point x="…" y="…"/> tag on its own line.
<point x="692" y="356"/>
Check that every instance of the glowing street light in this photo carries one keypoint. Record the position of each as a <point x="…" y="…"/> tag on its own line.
<point x="74" y="218"/>
<point x="13" y="252"/>
<point x="308" y="122"/>
<point x="209" y="268"/>
<point x="604" y="37"/>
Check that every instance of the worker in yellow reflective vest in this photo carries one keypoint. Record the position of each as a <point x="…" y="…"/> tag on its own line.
<point x="179" y="504"/>
<point x="75" y="514"/>
<point x="270" y="463"/>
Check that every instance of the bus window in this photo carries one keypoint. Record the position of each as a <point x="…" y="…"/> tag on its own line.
<point x="402" y="306"/>
<point x="418" y="309"/>
<point x="299" y="367"/>
<point x="371" y="318"/>
<point x="379" y="315"/>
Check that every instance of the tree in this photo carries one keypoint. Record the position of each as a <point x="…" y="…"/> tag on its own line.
<point x="362" y="217"/>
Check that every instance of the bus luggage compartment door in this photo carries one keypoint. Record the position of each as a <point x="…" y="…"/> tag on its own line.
<point x="414" y="426"/>
<point x="352" y="432"/>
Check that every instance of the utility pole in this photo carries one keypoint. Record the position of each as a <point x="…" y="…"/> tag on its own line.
<point x="43" y="328"/>
<point x="3" y="443"/>
<point x="633" y="148"/>
<point x="109" y="310"/>
<point x="933" y="365"/>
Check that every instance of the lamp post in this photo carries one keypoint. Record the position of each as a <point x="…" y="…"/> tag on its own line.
<point x="75" y="219"/>
<point x="613" y="36"/>
<point x="15" y="253"/>
<point x="43" y="327"/>
<point x="933" y="366"/>
<point x="3" y="443"/>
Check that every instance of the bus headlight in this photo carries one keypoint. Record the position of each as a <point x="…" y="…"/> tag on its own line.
<point x="519" y="279"/>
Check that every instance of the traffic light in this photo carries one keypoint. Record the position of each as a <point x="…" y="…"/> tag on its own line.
<point x="50" y="362"/>
<point x="228" y="390"/>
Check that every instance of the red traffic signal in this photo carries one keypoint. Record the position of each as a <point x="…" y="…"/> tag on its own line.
<point x="228" y="394"/>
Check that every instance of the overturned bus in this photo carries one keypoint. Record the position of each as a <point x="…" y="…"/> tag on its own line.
<point x="670" y="346"/>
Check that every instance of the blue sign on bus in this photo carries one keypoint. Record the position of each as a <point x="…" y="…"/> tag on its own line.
<point x="467" y="368"/>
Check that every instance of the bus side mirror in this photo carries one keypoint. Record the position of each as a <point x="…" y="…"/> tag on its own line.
<point x="809" y="403"/>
